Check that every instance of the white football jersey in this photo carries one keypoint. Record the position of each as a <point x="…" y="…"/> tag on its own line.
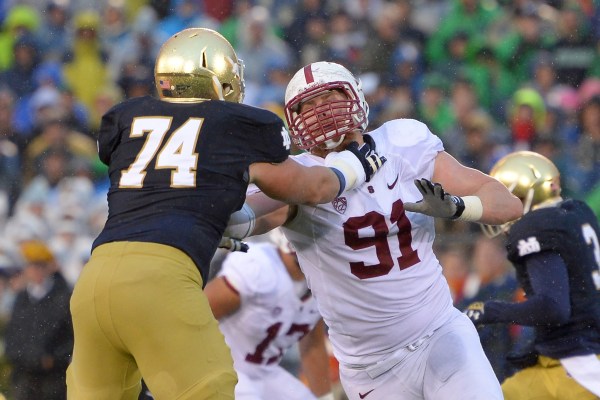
<point x="274" y="314"/>
<point x="370" y="264"/>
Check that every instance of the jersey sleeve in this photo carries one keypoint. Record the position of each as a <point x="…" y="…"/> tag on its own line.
<point x="414" y="146"/>
<point x="271" y="140"/>
<point x="108" y="135"/>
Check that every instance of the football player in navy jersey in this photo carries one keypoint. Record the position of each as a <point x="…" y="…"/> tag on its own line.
<point x="556" y="252"/>
<point x="179" y="166"/>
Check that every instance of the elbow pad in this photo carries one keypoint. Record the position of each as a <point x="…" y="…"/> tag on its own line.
<point x="241" y="223"/>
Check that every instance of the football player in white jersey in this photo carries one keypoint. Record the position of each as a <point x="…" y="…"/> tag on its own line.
<point x="264" y="307"/>
<point x="368" y="256"/>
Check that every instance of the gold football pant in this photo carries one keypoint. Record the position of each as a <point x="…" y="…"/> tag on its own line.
<point x="138" y="310"/>
<point x="545" y="380"/>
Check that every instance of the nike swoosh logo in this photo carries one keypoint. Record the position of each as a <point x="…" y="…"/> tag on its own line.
<point x="362" y="396"/>
<point x="393" y="183"/>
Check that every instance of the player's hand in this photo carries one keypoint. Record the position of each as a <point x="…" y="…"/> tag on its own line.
<point x="436" y="202"/>
<point x="355" y="165"/>
<point x="232" y="244"/>
<point x="475" y="312"/>
<point x="370" y="160"/>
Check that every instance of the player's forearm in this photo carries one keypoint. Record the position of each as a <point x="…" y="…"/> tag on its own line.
<point x="536" y="311"/>
<point x="499" y="205"/>
<point x="259" y="215"/>
<point x="315" y="368"/>
<point x="315" y="361"/>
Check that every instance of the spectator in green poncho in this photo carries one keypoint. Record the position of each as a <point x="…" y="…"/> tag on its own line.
<point x="469" y="16"/>
<point x="21" y="20"/>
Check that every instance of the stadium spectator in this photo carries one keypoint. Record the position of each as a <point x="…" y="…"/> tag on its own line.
<point x="469" y="18"/>
<point x="575" y="47"/>
<point x="54" y="34"/>
<point x="10" y="157"/>
<point x="259" y="47"/>
<point x="587" y="149"/>
<point x="21" y="20"/>
<point x="39" y="335"/>
<point x="85" y="63"/>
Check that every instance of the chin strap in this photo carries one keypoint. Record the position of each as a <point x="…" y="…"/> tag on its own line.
<point x="333" y="143"/>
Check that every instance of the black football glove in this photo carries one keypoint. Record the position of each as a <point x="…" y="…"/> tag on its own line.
<point x="370" y="160"/>
<point x="436" y="202"/>
<point x="231" y="244"/>
<point x="475" y="312"/>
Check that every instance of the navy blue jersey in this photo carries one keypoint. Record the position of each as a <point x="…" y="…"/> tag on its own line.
<point x="178" y="170"/>
<point x="570" y="230"/>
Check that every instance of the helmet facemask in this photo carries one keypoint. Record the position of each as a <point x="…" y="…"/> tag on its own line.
<point x="327" y="123"/>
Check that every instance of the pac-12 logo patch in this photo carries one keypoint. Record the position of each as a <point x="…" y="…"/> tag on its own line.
<point x="340" y="204"/>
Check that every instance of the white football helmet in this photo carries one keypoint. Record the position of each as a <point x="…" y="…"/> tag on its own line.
<point x="326" y="123"/>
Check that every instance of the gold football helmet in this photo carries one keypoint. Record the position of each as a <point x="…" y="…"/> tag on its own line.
<point x="531" y="177"/>
<point x="198" y="64"/>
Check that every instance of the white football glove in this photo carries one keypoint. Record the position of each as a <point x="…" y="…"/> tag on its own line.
<point x="355" y="165"/>
<point x="436" y="202"/>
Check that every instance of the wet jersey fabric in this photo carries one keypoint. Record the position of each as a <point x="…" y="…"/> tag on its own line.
<point x="178" y="170"/>
<point x="570" y="230"/>
<point x="370" y="264"/>
<point x="275" y="314"/>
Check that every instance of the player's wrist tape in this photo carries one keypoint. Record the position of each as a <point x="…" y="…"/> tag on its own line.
<point x="468" y="208"/>
<point x="328" y="396"/>
<point x="349" y="166"/>
<point x="341" y="178"/>
<point x="241" y="223"/>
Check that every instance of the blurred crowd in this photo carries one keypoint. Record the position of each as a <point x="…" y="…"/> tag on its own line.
<point x="487" y="76"/>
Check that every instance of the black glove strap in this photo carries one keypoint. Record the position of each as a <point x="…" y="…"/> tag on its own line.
<point x="460" y="206"/>
<point x="369" y="140"/>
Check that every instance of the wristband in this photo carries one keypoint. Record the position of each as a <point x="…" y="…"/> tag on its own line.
<point x="349" y="166"/>
<point x="341" y="178"/>
<point x="468" y="208"/>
